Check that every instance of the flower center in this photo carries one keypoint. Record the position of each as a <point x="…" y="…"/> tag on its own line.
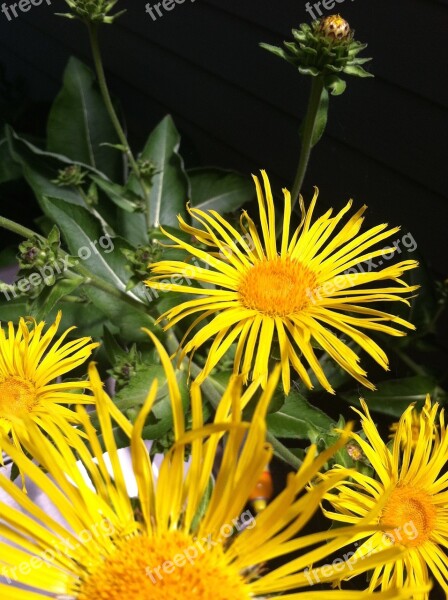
<point x="409" y="516"/>
<point x="278" y="287"/>
<point x="17" y="397"/>
<point x="170" y="567"/>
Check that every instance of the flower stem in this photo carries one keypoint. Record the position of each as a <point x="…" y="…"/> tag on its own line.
<point x="214" y="392"/>
<point x="18" y="229"/>
<point x="282" y="452"/>
<point x="96" y="53"/>
<point x="317" y="88"/>
<point x="93" y="35"/>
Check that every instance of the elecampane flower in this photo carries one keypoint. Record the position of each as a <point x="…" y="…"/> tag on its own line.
<point x="412" y="485"/>
<point x="167" y="544"/>
<point x="298" y="294"/>
<point x="30" y="362"/>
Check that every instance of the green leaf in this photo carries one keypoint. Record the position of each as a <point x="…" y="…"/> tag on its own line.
<point x="394" y="396"/>
<point x="127" y="319"/>
<point x="220" y="190"/>
<point x="170" y="189"/>
<point x="78" y="123"/>
<point x="103" y="257"/>
<point x="86" y="240"/>
<point x="116" y="193"/>
<point x="114" y="351"/>
<point x="12" y="309"/>
<point x="9" y="169"/>
<point x="297" y="418"/>
<point x="50" y="297"/>
<point x="40" y="168"/>
<point x="321" y="118"/>
<point x="274" y="50"/>
<point x="335" y="84"/>
<point x="132" y="397"/>
<point x="357" y="71"/>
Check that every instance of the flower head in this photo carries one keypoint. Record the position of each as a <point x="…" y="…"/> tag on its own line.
<point x="29" y="363"/>
<point x="409" y="435"/>
<point x="411" y="488"/>
<point x="174" y="545"/>
<point x="302" y="291"/>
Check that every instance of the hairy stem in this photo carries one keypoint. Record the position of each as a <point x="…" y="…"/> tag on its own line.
<point x="317" y="87"/>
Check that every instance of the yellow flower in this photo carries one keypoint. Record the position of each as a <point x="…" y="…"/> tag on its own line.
<point x="413" y="431"/>
<point x="168" y="544"/>
<point x="29" y="363"/>
<point x="411" y="488"/>
<point x="296" y="295"/>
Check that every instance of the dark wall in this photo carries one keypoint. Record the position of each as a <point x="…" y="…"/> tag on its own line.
<point x="238" y="106"/>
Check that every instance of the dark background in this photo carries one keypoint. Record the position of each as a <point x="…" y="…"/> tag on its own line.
<point x="238" y="106"/>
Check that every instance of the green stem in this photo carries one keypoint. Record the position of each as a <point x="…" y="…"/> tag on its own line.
<point x="283" y="453"/>
<point x="18" y="229"/>
<point x="317" y="87"/>
<point x="93" y="36"/>
<point x="110" y="289"/>
<point x="214" y="394"/>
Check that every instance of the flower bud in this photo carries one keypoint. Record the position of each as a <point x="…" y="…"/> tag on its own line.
<point x="335" y="27"/>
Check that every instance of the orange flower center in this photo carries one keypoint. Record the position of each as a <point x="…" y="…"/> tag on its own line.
<point x="409" y="516"/>
<point x="17" y="397"/>
<point x="278" y="287"/>
<point x="170" y="567"/>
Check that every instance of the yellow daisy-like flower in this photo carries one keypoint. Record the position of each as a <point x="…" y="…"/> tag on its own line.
<point x="170" y="546"/>
<point x="412" y="485"/>
<point x="30" y="362"/>
<point x="414" y="431"/>
<point x="295" y="294"/>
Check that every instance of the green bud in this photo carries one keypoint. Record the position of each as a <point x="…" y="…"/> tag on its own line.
<point x="140" y="259"/>
<point x="326" y="48"/>
<point x="71" y="176"/>
<point x="126" y="367"/>
<point x="147" y="168"/>
<point x="35" y="253"/>
<point x="95" y="11"/>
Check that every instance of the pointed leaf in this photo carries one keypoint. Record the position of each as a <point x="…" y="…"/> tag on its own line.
<point x="170" y="188"/>
<point x="220" y="190"/>
<point x="394" y="396"/>
<point x="79" y="124"/>
<point x="321" y="118"/>
<point x="297" y="418"/>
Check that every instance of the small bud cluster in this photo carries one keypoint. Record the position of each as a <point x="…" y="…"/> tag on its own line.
<point x="71" y="176"/>
<point x="36" y="252"/>
<point x="95" y="11"/>
<point x="125" y="368"/>
<point x="140" y="259"/>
